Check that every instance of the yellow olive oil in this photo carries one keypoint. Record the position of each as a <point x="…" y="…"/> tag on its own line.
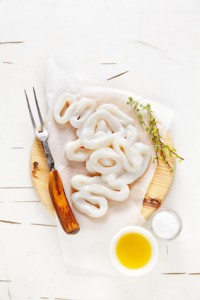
<point x="133" y="250"/>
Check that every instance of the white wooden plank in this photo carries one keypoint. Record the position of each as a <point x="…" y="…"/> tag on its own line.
<point x="3" y="267"/>
<point x="10" y="195"/>
<point x="4" y="291"/>
<point x="4" y="276"/>
<point x="26" y="213"/>
<point x="158" y="42"/>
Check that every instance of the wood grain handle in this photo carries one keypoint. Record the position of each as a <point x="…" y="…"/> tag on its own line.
<point x="61" y="204"/>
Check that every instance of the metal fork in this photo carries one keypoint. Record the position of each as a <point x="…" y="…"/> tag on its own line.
<point x="42" y="134"/>
<point x="56" y="190"/>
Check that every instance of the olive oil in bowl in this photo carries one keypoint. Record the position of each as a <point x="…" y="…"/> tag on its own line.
<point x="134" y="250"/>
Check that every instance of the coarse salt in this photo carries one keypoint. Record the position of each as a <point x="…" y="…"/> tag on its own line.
<point x="166" y="224"/>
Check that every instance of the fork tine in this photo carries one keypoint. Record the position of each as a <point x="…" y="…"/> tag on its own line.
<point x="30" y="112"/>
<point x="38" y="109"/>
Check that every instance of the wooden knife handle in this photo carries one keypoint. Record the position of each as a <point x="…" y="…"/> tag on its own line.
<point x="61" y="204"/>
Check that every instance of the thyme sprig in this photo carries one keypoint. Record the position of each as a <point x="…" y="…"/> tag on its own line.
<point x="150" y="124"/>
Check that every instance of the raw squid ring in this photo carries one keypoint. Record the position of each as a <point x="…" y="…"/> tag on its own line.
<point x="119" y="179"/>
<point x="115" y="111"/>
<point x="118" y="194"/>
<point x="133" y="164"/>
<point x="96" y="186"/>
<point x="125" y="177"/>
<point x="91" y="205"/>
<point x="87" y="133"/>
<point x="132" y="135"/>
<point x="75" y="151"/>
<point x="101" y="129"/>
<point x="119" y="166"/>
<point x="102" y="126"/>
<point x="139" y="152"/>
<point x="85" y="107"/>
<point x="96" y="161"/>
<point x="79" y="181"/>
<point x="64" y="108"/>
<point x="132" y="156"/>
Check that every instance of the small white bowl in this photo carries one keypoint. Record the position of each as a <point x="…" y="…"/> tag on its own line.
<point x="154" y="255"/>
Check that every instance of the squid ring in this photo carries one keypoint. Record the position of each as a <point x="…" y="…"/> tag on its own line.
<point x="103" y="127"/>
<point x="140" y="155"/>
<point x="87" y="133"/>
<point x="91" y="205"/>
<point x="64" y="108"/>
<point x="96" y="186"/>
<point x="79" y="181"/>
<point x="112" y="160"/>
<point x="132" y="135"/>
<point x="75" y="151"/>
<point x="85" y="107"/>
<point x="119" y="194"/>
<point x="132" y="156"/>
<point x="115" y="111"/>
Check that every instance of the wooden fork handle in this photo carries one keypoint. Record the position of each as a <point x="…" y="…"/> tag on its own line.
<point x="61" y="204"/>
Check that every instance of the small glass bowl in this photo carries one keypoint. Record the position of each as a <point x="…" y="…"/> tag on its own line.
<point x="174" y="215"/>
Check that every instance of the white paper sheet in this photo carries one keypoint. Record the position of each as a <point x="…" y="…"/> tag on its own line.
<point x="88" y="251"/>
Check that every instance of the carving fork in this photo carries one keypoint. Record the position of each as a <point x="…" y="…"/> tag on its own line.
<point x="56" y="190"/>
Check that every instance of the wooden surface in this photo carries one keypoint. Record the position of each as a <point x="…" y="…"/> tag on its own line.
<point x="40" y="174"/>
<point x="155" y="196"/>
<point x="157" y="42"/>
<point x="159" y="186"/>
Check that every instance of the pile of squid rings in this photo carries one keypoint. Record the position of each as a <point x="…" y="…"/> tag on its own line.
<point x="107" y="141"/>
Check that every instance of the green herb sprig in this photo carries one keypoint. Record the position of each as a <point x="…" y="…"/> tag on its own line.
<point x="162" y="150"/>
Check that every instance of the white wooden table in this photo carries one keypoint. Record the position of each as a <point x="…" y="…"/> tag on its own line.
<point x="158" y="42"/>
